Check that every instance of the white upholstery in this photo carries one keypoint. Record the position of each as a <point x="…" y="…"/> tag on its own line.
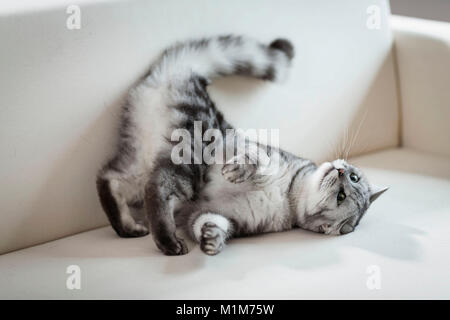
<point x="60" y="91"/>
<point x="405" y="234"/>
<point x="423" y="58"/>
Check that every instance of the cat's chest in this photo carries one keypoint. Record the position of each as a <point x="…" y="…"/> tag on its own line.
<point x="259" y="209"/>
<point x="218" y="187"/>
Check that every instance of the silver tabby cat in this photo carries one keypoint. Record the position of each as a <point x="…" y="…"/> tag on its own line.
<point x="215" y="202"/>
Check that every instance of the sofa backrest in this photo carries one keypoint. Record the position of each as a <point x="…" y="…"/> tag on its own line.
<point x="422" y="49"/>
<point x="61" y="90"/>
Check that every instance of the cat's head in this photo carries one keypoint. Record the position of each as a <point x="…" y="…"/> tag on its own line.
<point x="337" y="198"/>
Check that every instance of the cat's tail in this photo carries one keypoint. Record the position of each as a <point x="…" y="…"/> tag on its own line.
<point x="222" y="56"/>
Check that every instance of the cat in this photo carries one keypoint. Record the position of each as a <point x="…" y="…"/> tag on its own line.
<point x="215" y="202"/>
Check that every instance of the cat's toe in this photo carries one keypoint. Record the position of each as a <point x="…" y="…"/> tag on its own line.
<point x="227" y="168"/>
<point x="173" y="247"/>
<point x="212" y="239"/>
<point x="211" y="249"/>
<point x="183" y="249"/>
<point x="233" y="173"/>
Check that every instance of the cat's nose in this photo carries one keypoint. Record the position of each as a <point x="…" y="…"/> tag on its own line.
<point x="341" y="172"/>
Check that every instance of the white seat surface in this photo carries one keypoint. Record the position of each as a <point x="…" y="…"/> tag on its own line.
<point x="405" y="235"/>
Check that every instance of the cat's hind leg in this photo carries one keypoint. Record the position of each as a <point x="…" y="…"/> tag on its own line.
<point x="211" y="230"/>
<point x="115" y="192"/>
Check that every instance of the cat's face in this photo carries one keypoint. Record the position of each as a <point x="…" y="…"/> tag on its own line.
<point x="338" y="197"/>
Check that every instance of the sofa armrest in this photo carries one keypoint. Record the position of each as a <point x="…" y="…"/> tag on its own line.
<point x="423" y="64"/>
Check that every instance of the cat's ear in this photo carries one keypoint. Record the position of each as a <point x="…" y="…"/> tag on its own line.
<point x="376" y="192"/>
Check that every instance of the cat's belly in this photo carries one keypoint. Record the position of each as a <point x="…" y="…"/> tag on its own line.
<point x="253" y="209"/>
<point x="151" y="121"/>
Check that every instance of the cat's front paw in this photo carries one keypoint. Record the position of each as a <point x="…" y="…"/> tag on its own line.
<point x="212" y="239"/>
<point x="238" y="173"/>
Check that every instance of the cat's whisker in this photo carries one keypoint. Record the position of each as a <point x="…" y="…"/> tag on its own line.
<point x="348" y="145"/>
<point x="337" y="146"/>
<point x="343" y="144"/>
<point x="347" y="141"/>
<point x="357" y="131"/>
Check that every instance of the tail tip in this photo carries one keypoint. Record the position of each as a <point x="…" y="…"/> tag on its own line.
<point x="283" y="45"/>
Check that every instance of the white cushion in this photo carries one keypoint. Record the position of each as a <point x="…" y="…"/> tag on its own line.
<point x="405" y="235"/>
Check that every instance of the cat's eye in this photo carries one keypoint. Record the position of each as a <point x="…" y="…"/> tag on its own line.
<point x="341" y="197"/>
<point x="354" y="177"/>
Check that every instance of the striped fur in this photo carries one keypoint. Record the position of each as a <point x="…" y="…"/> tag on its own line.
<point x="174" y="95"/>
